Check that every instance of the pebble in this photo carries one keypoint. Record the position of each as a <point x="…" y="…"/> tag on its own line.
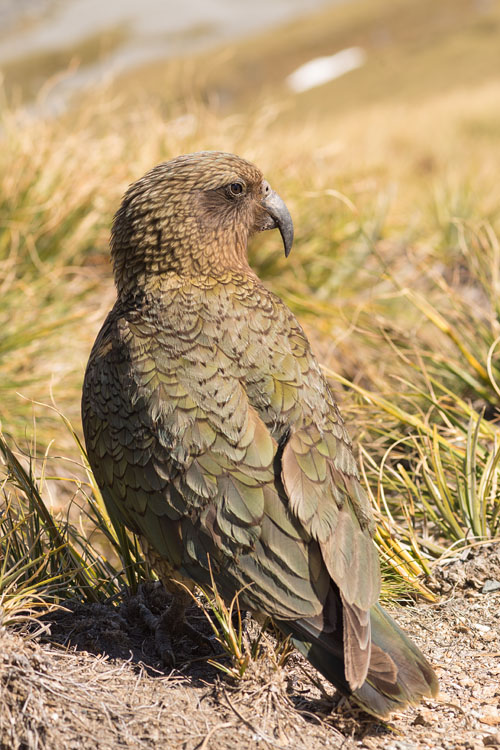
<point x="492" y="739"/>
<point x="490" y="716"/>
<point x="481" y="628"/>
<point x="490" y="585"/>
<point x="466" y="682"/>
<point x="424" y="718"/>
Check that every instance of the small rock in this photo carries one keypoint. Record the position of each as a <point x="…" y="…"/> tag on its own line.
<point x="488" y="637"/>
<point x="488" y="690"/>
<point x="490" y="585"/>
<point x="492" y="739"/>
<point x="424" y="718"/>
<point x="466" y="682"/>
<point x="482" y="628"/>
<point x="490" y="716"/>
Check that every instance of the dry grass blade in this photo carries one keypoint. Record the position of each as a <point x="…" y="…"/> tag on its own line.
<point x="46" y="558"/>
<point x="229" y="636"/>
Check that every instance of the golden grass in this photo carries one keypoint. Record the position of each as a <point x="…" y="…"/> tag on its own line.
<point x="394" y="273"/>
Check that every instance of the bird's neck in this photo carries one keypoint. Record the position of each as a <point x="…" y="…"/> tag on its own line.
<point x="150" y="265"/>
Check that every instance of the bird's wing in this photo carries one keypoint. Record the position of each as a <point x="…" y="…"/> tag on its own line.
<point x="182" y="446"/>
<point x="321" y="481"/>
<point x="317" y="466"/>
<point x="185" y="460"/>
<point x="319" y="473"/>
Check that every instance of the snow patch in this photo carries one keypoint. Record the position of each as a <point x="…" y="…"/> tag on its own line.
<point x="324" y="69"/>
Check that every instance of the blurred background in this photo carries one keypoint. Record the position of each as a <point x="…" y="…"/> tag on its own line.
<point x="53" y="50"/>
<point x="378" y="121"/>
<point x="95" y="41"/>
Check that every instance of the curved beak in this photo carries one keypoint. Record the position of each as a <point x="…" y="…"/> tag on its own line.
<point x="278" y="216"/>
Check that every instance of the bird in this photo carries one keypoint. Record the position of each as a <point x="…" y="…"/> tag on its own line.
<point x="214" y="436"/>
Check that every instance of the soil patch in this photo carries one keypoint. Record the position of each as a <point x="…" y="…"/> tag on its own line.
<point x="99" y="682"/>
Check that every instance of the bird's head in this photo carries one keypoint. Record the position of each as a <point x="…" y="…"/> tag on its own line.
<point x="193" y="215"/>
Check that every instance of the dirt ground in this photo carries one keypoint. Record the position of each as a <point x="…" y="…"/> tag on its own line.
<point x="93" y="680"/>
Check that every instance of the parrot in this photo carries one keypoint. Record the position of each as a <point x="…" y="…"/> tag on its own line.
<point x="214" y="436"/>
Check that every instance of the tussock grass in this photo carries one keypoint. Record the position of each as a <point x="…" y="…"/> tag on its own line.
<point x="394" y="275"/>
<point x="48" y="557"/>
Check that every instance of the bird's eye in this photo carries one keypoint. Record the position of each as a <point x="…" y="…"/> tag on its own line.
<point x="235" y="189"/>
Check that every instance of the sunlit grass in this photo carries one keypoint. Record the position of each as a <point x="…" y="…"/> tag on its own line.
<point x="47" y="556"/>
<point x="241" y="649"/>
<point x="394" y="274"/>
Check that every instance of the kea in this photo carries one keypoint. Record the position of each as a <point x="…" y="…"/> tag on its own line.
<point x="214" y="436"/>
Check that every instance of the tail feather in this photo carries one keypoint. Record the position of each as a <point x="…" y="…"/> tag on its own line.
<point x="398" y="673"/>
<point x="357" y="643"/>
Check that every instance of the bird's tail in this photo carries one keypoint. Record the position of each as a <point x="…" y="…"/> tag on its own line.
<point x="398" y="673"/>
